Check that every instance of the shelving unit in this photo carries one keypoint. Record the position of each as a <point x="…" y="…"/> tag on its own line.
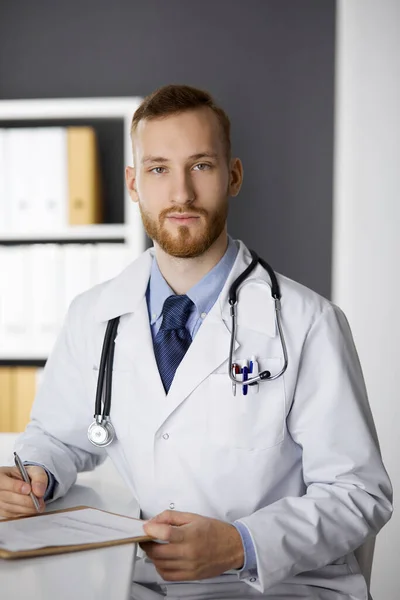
<point x="111" y="117"/>
<point x="81" y="111"/>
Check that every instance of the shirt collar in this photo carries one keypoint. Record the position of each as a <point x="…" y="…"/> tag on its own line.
<point x="204" y="294"/>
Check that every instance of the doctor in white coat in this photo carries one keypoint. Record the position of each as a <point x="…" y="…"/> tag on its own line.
<point x="264" y="495"/>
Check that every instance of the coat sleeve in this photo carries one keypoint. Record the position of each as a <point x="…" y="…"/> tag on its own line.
<point x="56" y="435"/>
<point x="348" y="493"/>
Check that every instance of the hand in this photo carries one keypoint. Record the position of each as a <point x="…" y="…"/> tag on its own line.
<point x="199" y="547"/>
<point x="14" y="492"/>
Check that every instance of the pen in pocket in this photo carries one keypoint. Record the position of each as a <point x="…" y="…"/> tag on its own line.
<point x="235" y="372"/>
<point x="253" y="370"/>
<point x="245" y="371"/>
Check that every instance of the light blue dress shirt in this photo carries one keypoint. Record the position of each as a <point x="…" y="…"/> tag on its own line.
<point x="203" y="295"/>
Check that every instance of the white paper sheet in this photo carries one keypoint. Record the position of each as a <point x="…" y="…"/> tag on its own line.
<point x="64" y="529"/>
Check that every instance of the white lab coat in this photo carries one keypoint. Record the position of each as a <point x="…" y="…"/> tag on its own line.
<point x="298" y="462"/>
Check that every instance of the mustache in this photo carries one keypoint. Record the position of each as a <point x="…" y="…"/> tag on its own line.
<point x="168" y="211"/>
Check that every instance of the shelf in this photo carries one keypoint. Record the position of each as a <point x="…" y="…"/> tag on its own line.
<point x="23" y="361"/>
<point x="55" y="108"/>
<point x="74" y="233"/>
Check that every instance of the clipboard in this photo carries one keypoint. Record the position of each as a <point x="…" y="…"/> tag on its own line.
<point x="48" y="550"/>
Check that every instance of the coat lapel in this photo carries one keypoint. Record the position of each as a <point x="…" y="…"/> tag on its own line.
<point x="134" y="352"/>
<point x="125" y="297"/>
<point x="210" y="347"/>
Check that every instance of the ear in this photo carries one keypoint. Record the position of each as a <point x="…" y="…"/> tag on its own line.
<point x="130" y="180"/>
<point x="235" y="176"/>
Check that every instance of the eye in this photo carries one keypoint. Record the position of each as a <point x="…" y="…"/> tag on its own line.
<point x="202" y="167"/>
<point x="157" y="170"/>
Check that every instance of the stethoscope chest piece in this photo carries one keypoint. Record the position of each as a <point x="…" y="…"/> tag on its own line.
<point x="101" y="434"/>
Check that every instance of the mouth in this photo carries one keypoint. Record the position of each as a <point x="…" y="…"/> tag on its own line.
<point x="183" y="218"/>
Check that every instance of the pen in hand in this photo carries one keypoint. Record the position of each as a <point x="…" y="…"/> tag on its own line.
<point x="25" y="477"/>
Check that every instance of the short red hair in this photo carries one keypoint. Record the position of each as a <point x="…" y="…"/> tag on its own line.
<point x="173" y="99"/>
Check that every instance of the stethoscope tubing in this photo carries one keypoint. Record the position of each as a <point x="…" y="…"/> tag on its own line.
<point x="105" y="370"/>
<point x="107" y="354"/>
<point x="233" y="301"/>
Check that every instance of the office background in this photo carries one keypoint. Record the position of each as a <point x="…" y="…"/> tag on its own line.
<point x="311" y="90"/>
<point x="270" y="65"/>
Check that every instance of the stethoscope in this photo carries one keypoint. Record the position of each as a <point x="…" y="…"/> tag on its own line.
<point x="101" y="432"/>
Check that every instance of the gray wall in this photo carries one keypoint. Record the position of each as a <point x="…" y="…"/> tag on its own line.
<point x="270" y="63"/>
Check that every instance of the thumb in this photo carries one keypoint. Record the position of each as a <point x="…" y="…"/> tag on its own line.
<point x="160" y="526"/>
<point x="39" y="480"/>
<point x="173" y="517"/>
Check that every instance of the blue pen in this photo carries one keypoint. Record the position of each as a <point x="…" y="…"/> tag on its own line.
<point x="253" y="386"/>
<point x="245" y="371"/>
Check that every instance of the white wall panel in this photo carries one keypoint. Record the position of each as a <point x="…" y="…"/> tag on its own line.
<point x="366" y="242"/>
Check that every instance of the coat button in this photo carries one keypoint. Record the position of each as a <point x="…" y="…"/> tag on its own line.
<point x="165" y="436"/>
<point x="253" y="579"/>
<point x="172" y="506"/>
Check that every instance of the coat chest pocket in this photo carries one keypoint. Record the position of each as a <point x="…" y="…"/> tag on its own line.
<point x="252" y="422"/>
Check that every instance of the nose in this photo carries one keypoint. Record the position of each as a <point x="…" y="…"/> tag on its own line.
<point x="182" y="188"/>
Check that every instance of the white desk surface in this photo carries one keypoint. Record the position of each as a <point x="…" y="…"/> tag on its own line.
<point x="101" y="574"/>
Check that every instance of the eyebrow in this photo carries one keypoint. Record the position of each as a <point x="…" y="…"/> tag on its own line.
<point x="155" y="159"/>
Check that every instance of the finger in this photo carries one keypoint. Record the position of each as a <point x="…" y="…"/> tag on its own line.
<point x="10" y="472"/>
<point x="162" y="551"/>
<point x="13" y="511"/>
<point x="158" y="531"/>
<point x="10" y="480"/>
<point x="163" y="532"/>
<point x="39" y="480"/>
<point x="174" y="517"/>
<point x="19" y="500"/>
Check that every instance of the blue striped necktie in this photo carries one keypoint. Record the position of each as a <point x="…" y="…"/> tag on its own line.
<point x="173" y="339"/>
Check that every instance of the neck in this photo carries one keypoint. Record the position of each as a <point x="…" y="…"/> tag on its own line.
<point x="181" y="274"/>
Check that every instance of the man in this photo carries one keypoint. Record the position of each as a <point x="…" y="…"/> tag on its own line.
<point x="263" y="495"/>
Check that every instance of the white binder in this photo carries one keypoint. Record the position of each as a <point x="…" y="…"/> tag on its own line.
<point x="52" y="177"/>
<point x="16" y="316"/>
<point x="22" y="179"/>
<point x="78" y="270"/>
<point x="4" y="200"/>
<point x="3" y="288"/>
<point x="46" y="275"/>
